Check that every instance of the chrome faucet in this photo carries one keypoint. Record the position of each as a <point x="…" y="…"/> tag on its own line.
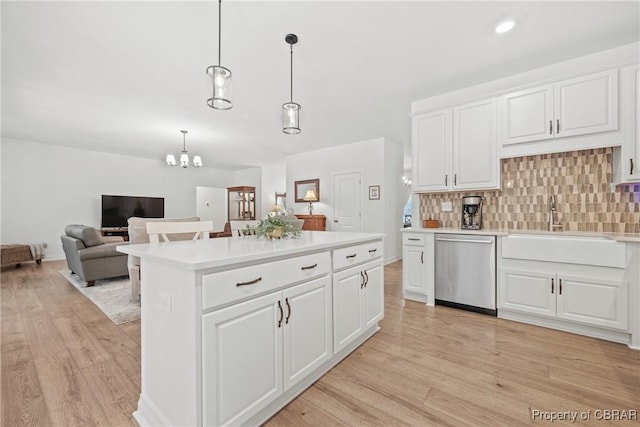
<point x="553" y="214"/>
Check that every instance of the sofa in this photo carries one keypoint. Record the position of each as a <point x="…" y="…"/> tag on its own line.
<point x="137" y="231"/>
<point x="91" y="256"/>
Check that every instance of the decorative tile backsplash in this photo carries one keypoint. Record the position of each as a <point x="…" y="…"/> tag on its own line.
<point x="580" y="181"/>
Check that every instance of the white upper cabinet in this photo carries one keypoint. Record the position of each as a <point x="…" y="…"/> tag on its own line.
<point x="456" y="148"/>
<point x="431" y="142"/>
<point x="578" y="106"/>
<point x="630" y="161"/>
<point x="475" y="159"/>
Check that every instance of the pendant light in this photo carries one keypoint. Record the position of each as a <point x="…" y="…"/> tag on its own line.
<point x="220" y="76"/>
<point x="184" y="156"/>
<point x="291" y="110"/>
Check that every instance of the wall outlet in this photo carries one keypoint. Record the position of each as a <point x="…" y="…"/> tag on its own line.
<point x="446" y="207"/>
<point x="164" y="302"/>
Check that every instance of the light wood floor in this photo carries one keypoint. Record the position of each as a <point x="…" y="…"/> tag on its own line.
<point x="65" y="364"/>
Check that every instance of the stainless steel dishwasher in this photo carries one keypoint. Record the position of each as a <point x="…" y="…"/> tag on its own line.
<point x="466" y="272"/>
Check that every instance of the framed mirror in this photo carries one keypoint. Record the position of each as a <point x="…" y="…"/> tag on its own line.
<point x="281" y="203"/>
<point x="301" y="188"/>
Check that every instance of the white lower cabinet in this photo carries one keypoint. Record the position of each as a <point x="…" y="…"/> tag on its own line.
<point x="418" y="267"/>
<point x="587" y="300"/>
<point x="358" y="301"/>
<point x="256" y="350"/>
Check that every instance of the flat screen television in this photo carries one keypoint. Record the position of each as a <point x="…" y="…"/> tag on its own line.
<point x="116" y="210"/>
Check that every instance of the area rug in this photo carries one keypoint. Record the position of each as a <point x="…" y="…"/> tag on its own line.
<point x="112" y="296"/>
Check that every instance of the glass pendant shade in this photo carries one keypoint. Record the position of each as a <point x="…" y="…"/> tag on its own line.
<point x="197" y="161"/>
<point x="291" y="118"/>
<point x="220" y="88"/>
<point x="171" y="160"/>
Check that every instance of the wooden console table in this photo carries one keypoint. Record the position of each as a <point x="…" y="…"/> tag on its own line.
<point x="313" y="222"/>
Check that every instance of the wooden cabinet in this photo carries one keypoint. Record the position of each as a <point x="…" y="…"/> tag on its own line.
<point x="290" y="330"/>
<point x="588" y="300"/>
<point x="418" y="267"/>
<point x="313" y="222"/>
<point x="630" y="160"/>
<point x="455" y="149"/>
<point x="578" y="106"/>
<point x="358" y="301"/>
<point x="241" y="203"/>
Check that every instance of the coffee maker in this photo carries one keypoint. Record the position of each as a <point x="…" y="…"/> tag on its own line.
<point x="471" y="213"/>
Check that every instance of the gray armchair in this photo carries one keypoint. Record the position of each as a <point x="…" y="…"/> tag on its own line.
<point x="91" y="256"/>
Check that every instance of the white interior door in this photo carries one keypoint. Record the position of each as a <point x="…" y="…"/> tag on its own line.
<point x="346" y="190"/>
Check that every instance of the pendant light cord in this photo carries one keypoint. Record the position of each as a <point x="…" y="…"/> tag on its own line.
<point x="219" y="29"/>
<point x="291" y="47"/>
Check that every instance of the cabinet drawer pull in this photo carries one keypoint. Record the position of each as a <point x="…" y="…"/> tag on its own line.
<point x="286" y="300"/>
<point x="560" y="287"/>
<point x="557" y="126"/>
<point x="552" y="287"/>
<point x="281" y="314"/>
<point x="631" y="164"/>
<point x="550" y="127"/>
<point x="373" y="251"/>
<point x="413" y="239"/>
<point x="351" y="256"/>
<point x="309" y="267"/>
<point x="362" y="281"/>
<point x="253" y="282"/>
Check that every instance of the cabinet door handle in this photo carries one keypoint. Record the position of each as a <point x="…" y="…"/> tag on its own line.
<point x="335" y="220"/>
<point x="362" y="281"/>
<point x="631" y="164"/>
<point x="560" y="287"/>
<point x="552" y="286"/>
<point x="446" y="180"/>
<point x="550" y="127"/>
<point x="281" y="314"/>
<point x="413" y="239"/>
<point x="557" y="126"/>
<point x="253" y="282"/>
<point x="366" y="275"/>
<point x="286" y="300"/>
<point x="373" y="251"/>
<point x="309" y="267"/>
<point x="422" y="257"/>
<point x="351" y="256"/>
<point x="455" y="179"/>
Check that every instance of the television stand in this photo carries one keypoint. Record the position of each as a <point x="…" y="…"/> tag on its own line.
<point x="116" y="231"/>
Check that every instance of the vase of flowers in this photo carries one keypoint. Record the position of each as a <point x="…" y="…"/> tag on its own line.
<point x="273" y="227"/>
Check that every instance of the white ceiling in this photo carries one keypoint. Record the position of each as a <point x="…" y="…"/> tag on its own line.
<point x="126" y="77"/>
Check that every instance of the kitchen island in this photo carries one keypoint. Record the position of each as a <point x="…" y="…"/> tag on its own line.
<point x="233" y="329"/>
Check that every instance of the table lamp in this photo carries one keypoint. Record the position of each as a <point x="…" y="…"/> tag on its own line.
<point x="310" y="197"/>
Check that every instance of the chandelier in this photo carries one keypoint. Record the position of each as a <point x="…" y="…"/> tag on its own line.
<point x="184" y="156"/>
<point x="220" y="76"/>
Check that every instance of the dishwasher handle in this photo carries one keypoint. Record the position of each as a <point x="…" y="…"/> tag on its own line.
<point x="441" y="239"/>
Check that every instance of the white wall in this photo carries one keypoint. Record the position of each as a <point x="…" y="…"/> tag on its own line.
<point x="211" y="205"/>
<point x="377" y="160"/>
<point x="45" y="187"/>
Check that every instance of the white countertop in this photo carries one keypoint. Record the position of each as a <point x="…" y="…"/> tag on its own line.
<point x="226" y="251"/>
<point x="621" y="237"/>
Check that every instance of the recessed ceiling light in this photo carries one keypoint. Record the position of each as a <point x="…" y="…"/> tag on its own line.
<point x="504" y="27"/>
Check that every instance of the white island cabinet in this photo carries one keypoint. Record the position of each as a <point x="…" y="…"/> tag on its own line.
<point x="235" y="328"/>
